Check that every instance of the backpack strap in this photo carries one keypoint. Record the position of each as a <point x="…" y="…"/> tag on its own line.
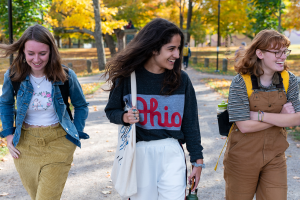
<point x="251" y="82"/>
<point x="64" y="90"/>
<point x="248" y="83"/>
<point x="285" y="79"/>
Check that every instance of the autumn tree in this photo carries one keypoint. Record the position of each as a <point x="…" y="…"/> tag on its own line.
<point x="290" y="18"/>
<point x="265" y="15"/>
<point x="85" y="16"/>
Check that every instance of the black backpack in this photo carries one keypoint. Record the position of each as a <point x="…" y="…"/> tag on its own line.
<point x="64" y="90"/>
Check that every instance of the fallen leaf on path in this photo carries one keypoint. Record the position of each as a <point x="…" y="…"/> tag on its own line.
<point x="106" y="192"/>
<point x="4" y="159"/>
<point x="110" y="150"/>
<point x="217" y="138"/>
<point x="218" y="180"/>
<point x="298" y="145"/>
<point x="95" y="108"/>
<point x="289" y="156"/>
<point x="223" y="137"/>
<point x="106" y="140"/>
<point x="3" y="194"/>
<point x="72" y="164"/>
<point x="108" y="186"/>
<point x="107" y="176"/>
<point x="296" y="177"/>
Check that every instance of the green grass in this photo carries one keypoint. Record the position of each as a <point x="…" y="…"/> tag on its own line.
<point x="3" y="152"/>
<point x="219" y="85"/>
<point x="212" y="69"/>
<point x="294" y="132"/>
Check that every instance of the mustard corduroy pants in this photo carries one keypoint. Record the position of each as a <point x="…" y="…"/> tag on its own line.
<point x="45" y="160"/>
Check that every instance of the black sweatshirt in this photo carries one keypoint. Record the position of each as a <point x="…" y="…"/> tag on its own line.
<point x="161" y="116"/>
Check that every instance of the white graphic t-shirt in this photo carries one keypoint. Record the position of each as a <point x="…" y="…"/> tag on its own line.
<point x="41" y="111"/>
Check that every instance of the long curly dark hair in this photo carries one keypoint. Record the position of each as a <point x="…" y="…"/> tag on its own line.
<point x="150" y="39"/>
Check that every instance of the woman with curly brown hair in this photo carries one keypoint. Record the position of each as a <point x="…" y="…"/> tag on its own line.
<point x="263" y="98"/>
<point x="166" y="112"/>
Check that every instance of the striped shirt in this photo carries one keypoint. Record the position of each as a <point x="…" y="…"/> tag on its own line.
<point x="238" y="102"/>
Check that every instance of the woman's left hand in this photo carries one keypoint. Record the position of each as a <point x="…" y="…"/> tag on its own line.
<point x="196" y="173"/>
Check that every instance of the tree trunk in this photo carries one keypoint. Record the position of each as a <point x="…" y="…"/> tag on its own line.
<point x="57" y="40"/>
<point x="98" y="36"/>
<point x="110" y="43"/>
<point x="120" y="38"/>
<point x="180" y="15"/>
<point x="189" y="19"/>
<point x="279" y="17"/>
<point x="78" y="43"/>
<point x="70" y="43"/>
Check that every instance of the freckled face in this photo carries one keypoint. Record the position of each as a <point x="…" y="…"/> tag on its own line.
<point x="37" y="55"/>
<point x="167" y="56"/>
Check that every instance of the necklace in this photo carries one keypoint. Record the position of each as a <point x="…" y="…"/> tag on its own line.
<point x="38" y="84"/>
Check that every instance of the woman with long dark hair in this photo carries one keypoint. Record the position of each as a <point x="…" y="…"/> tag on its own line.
<point x="166" y="112"/>
<point x="45" y="137"/>
<point x="263" y="98"/>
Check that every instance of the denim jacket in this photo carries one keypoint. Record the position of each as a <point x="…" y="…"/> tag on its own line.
<point x="74" y="129"/>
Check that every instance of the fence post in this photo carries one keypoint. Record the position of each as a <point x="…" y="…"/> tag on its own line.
<point x="195" y="60"/>
<point x="206" y="62"/>
<point x="70" y="65"/>
<point x="224" y="66"/>
<point x="89" y="66"/>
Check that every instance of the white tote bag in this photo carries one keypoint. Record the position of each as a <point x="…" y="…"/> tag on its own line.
<point x="123" y="173"/>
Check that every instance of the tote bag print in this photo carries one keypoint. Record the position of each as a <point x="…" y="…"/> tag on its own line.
<point x="124" y="135"/>
<point x="123" y="174"/>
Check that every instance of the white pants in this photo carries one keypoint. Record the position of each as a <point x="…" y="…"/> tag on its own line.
<point x="161" y="170"/>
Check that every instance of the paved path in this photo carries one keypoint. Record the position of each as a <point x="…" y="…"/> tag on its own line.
<point x="89" y="175"/>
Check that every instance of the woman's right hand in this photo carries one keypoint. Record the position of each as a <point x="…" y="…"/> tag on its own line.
<point x="12" y="150"/>
<point x="132" y="116"/>
<point x="288" y="108"/>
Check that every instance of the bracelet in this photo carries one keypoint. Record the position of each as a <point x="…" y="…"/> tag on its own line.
<point x="198" y="165"/>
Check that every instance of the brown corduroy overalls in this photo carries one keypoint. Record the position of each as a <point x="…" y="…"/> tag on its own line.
<point x="255" y="162"/>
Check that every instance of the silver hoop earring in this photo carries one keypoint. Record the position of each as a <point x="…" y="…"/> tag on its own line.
<point x="24" y="61"/>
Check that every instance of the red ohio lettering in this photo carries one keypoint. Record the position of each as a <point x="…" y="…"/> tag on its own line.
<point x="152" y="111"/>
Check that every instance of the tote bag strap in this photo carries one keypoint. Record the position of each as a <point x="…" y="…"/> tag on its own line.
<point x="133" y="88"/>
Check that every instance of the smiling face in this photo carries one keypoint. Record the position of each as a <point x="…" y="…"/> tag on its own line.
<point x="166" y="57"/>
<point x="37" y="56"/>
<point x="270" y="63"/>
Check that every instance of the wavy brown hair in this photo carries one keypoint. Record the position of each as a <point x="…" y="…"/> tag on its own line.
<point x="19" y="70"/>
<point x="247" y="60"/>
<point x="151" y="38"/>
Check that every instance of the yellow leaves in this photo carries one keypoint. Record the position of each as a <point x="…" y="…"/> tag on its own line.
<point x="80" y="13"/>
<point x="90" y="88"/>
<point x="3" y="142"/>
<point x="219" y="85"/>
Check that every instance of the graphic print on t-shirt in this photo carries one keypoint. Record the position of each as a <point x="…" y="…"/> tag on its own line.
<point x="158" y="111"/>
<point x="41" y="100"/>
